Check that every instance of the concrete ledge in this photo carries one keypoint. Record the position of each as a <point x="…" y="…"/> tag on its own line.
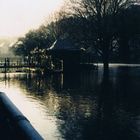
<point x="22" y="126"/>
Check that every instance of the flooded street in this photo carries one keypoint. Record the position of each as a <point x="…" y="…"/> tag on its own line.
<point x="79" y="106"/>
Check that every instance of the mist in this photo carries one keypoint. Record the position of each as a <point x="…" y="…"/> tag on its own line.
<point x="5" y="45"/>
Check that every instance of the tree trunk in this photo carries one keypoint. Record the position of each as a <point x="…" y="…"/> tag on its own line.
<point x="106" y="57"/>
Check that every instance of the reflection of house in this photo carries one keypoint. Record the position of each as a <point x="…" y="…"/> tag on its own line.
<point x="65" y="54"/>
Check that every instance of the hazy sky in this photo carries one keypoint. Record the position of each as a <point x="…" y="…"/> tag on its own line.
<point x="17" y="17"/>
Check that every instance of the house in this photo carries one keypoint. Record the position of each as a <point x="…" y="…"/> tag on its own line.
<point x="65" y="55"/>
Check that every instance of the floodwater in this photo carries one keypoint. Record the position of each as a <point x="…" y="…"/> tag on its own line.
<point x="80" y="106"/>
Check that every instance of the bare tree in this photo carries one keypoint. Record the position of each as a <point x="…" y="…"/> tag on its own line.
<point x="101" y="14"/>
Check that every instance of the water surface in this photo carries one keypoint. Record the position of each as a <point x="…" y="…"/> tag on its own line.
<point x="79" y="106"/>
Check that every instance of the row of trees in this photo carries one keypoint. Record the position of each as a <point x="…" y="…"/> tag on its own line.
<point x="107" y="27"/>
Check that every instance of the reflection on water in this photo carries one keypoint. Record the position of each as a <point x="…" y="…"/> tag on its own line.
<point x="79" y="106"/>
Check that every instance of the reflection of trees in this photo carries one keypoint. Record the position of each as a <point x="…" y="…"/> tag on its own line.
<point x="128" y="88"/>
<point x="107" y="123"/>
<point x="99" y="117"/>
<point x="109" y="112"/>
<point x="32" y="83"/>
<point x="113" y="120"/>
<point x="74" y="113"/>
<point x="36" y="84"/>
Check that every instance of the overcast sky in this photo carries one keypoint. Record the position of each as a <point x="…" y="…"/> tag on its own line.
<point x="17" y="17"/>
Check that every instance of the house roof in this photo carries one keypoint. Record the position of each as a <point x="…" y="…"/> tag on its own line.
<point x="64" y="44"/>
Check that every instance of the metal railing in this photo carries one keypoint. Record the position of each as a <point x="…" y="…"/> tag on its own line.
<point x="20" y="124"/>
